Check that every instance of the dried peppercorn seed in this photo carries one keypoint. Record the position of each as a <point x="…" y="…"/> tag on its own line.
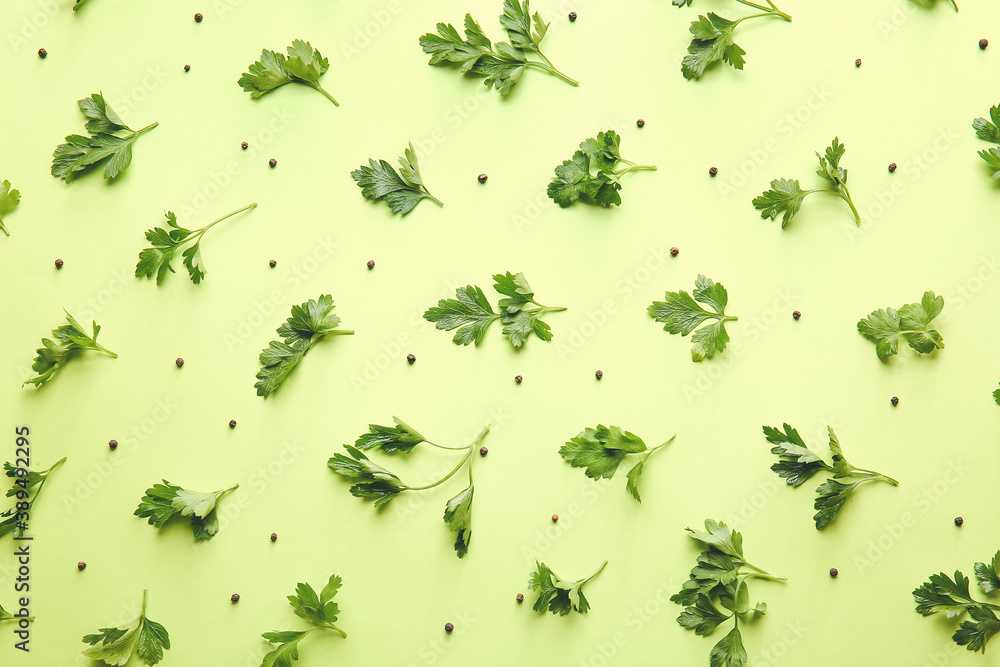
<point x="232" y="423"/>
<point x="274" y="537"/>
<point x="572" y="16"/>
<point x="983" y="43"/>
<point x="857" y="63"/>
<point x="518" y="379"/>
<point x="81" y="565"/>
<point x="59" y="263"/>
<point x="640" y="123"/>
<point x="713" y="171"/>
<point x="482" y="178"/>
<point x="674" y="252"/>
<point x="179" y="362"/>
<point x="483" y="451"/>
<point x="273" y="263"/>
<point x="599" y="374"/>
<point x="42" y="53"/>
<point x="244" y="145"/>
<point x="235" y="598"/>
<point x="272" y="162"/>
<point x="520" y="598"/>
<point x="834" y="572"/>
<point x="198" y="17"/>
<point x="371" y="263"/>
<point x="411" y="358"/>
<point x="892" y="167"/>
<point x="113" y="444"/>
<point x="796" y="314"/>
<point x="555" y="517"/>
<point x="959" y="521"/>
<point x="187" y="68"/>
<point x="894" y="400"/>
<point x="448" y="627"/>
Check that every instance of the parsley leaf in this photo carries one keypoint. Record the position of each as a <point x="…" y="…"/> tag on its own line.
<point x="163" y="501"/>
<point x="600" y="451"/>
<point x="501" y="64"/>
<point x="989" y="130"/>
<point x="952" y="596"/>
<point x="304" y="65"/>
<point x="7" y="616"/>
<point x="886" y="326"/>
<point x="114" y="646"/>
<point x="574" y="182"/>
<point x="797" y="463"/>
<point x="713" y="40"/>
<point x="374" y="483"/>
<point x="680" y="314"/>
<point x="78" y="4"/>
<point x="69" y="339"/>
<point x="785" y="196"/>
<point x="988" y="574"/>
<point x="930" y="3"/>
<point x="14" y="520"/>
<point x="106" y="141"/>
<point x="9" y="199"/>
<point x="471" y="313"/>
<point x="319" y="610"/>
<point x="380" y="182"/>
<point x="156" y="260"/>
<point x="720" y="578"/>
<point x="310" y="323"/>
<point x="556" y="594"/>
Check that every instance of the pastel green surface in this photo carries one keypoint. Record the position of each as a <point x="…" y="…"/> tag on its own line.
<point x="922" y="82"/>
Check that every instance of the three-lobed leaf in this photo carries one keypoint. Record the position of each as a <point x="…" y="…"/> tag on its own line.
<point x="886" y="326"/>
<point x="681" y="314"/>
<point x="9" y="199"/>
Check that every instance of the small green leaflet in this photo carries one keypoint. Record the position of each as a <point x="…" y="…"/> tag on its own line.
<point x="785" y="196"/>
<point x="797" y="463"/>
<point x="304" y="65"/>
<point x="471" y="313"/>
<point x="501" y="64"/>
<point x="319" y="610"/>
<point x="7" y="616"/>
<point x="78" y="4"/>
<point x="165" y="242"/>
<point x="310" y="323"/>
<point x="163" y="501"/>
<point x="390" y="439"/>
<point x="458" y="516"/>
<point x="720" y="578"/>
<point x="378" y="484"/>
<point x="712" y="40"/>
<point x="996" y="396"/>
<point x="114" y="646"/>
<point x="556" y="594"/>
<point x="681" y="314"/>
<point x="989" y="130"/>
<point x="927" y="4"/>
<point x="109" y="138"/>
<point x="9" y="199"/>
<point x="70" y="339"/>
<point x="912" y="322"/>
<point x="403" y="191"/>
<point x="941" y="593"/>
<point x="26" y="488"/>
<point x="600" y="451"/>
<point x="573" y="180"/>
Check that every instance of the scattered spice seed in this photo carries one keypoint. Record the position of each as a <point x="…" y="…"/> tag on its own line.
<point x="892" y="167"/>
<point x="112" y="444"/>
<point x="518" y="379"/>
<point x="371" y="264"/>
<point x="179" y="362"/>
<point x="42" y="52"/>
<point x="674" y="252"/>
<point x="448" y="627"/>
<point x="796" y="314"/>
<point x="232" y="423"/>
<point x="983" y="43"/>
<point x="187" y="68"/>
<point x="640" y="123"/>
<point x="59" y="263"/>
<point x="272" y="162"/>
<point x="272" y="263"/>
<point x="894" y="400"/>
<point x="555" y="517"/>
<point x="244" y="145"/>
<point x="713" y="171"/>
<point x="572" y="16"/>
<point x="857" y="63"/>
<point x="599" y="374"/>
<point x="483" y="451"/>
<point x="274" y="537"/>
<point x="520" y="598"/>
<point x="235" y="598"/>
<point x="482" y="178"/>
<point x="834" y="572"/>
<point x="411" y="358"/>
<point x="198" y="17"/>
<point x="81" y="566"/>
<point x="959" y="521"/>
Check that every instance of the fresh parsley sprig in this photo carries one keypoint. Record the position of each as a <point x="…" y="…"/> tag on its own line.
<point x="25" y="490"/>
<point x="319" y="610"/>
<point x="9" y="199"/>
<point x="304" y="65"/>
<point x="681" y="314"/>
<point x="165" y="242"/>
<point x="574" y="182"/>
<point x="380" y="182"/>
<point x="114" y="646"/>
<point x="377" y="485"/>
<point x="556" y="594"/>
<point x="720" y="577"/>
<point x="952" y="596"/>
<point x="785" y="196"/>
<point x="110" y="139"/>
<point x="69" y="340"/>
<point x="163" y="501"/>
<point x="989" y="130"/>
<point x="601" y="450"/>
<point x="471" y="313"/>
<point x="886" y="326"/>
<point x="501" y="64"/>
<point x="797" y="463"/>
<point x="713" y="39"/>
<point x="310" y="323"/>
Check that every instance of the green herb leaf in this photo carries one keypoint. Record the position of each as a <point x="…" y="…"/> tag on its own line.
<point x="797" y="463"/>
<point x="316" y="609"/>
<point x="573" y="181"/>
<point x="380" y="182"/>
<point x="729" y="652"/>
<point x="680" y="314"/>
<point x="14" y="520"/>
<point x="162" y="501"/>
<point x="712" y="43"/>
<point x="70" y="339"/>
<point x="9" y="199"/>
<point x="886" y="326"/>
<point x="115" y="646"/>
<point x="390" y="439"/>
<point x="458" y="516"/>
<point x="304" y="65"/>
<point x="600" y="451"/>
<point x="988" y="574"/>
<point x="557" y="595"/>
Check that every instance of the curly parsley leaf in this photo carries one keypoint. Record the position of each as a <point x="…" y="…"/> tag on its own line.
<point x="155" y="260"/>
<point x="380" y="182"/>
<point x="713" y="41"/>
<point x="162" y="501"/>
<point x="70" y="339"/>
<point x="941" y="593"/>
<point x="471" y="313"/>
<point x="9" y="199"/>
<point x="26" y="487"/>
<point x="319" y="610"/>
<point x="114" y="646"/>
<point x="601" y="450"/>
<point x="304" y="65"/>
<point x="310" y="323"/>
<point x="681" y="314"/>
<point x="110" y="140"/>
<point x="501" y="64"/>
<point x="574" y="182"/>
<point x="886" y="326"/>
<point x="558" y="595"/>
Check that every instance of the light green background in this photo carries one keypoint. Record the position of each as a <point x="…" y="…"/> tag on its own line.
<point x="922" y="82"/>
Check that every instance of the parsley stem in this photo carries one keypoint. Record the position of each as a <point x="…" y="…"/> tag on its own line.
<point x="45" y="477"/>
<point x="143" y="130"/>
<point x="454" y="449"/>
<point x="872" y="475"/>
<point x="552" y="70"/>
<point x="762" y="574"/>
<point x="228" y="215"/>
<point x="336" y="629"/>
<point x="599" y="570"/>
<point x="328" y="95"/>
<point x="105" y="351"/>
<point x="145" y="595"/>
<point x="773" y="11"/>
<point x="649" y="452"/>
<point x="446" y="477"/>
<point x="433" y="198"/>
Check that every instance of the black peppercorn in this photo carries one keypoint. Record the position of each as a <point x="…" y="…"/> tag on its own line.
<point x="520" y="598"/>
<point x="198" y="17"/>
<point x="674" y="252"/>
<point x="555" y="517"/>
<point x="834" y="572"/>
<point x="274" y="537"/>
<point x="235" y="598"/>
<point x="483" y="451"/>
<point x="232" y="423"/>
<point x="113" y="444"/>
<point x="599" y="374"/>
<point x="42" y="53"/>
<point x="59" y="263"/>
<point x="371" y="263"/>
<point x="244" y="145"/>
<point x="518" y="379"/>
<point x="640" y="123"/>
<point x="983" y="43"/>
<point x="179" y="362"/>
<point x="796" y="314"/>
<point x="857" y="63"/>
<point x="892" y="167"/>
<point x="81" y="565"/>
<point x="482" y="178"/>
<point x="448" y="627"/>
<point x="572" y="16"/>
<point x="713" y="171"/>
<point x="894" y="400"/>
<point x="411" y="358"/>
<point x="272" y="162"/>
<point x="187" y="68"/>
<point x="273" y="263"/>
<point x="959" y="521"/>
